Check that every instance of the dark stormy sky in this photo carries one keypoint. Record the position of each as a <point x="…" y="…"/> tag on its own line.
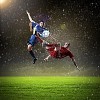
<point x="74" y="21"/>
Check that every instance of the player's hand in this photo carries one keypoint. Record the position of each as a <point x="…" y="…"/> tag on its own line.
<point x="27" y="12"/>
<point x="46" y="59"/>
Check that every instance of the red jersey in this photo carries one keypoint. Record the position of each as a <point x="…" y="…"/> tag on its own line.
<point x="63" y="52"/>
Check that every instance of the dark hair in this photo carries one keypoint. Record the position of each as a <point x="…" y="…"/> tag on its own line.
<point x="41" y="21"/>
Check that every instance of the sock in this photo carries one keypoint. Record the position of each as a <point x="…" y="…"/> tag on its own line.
<point x="32" y="54"/>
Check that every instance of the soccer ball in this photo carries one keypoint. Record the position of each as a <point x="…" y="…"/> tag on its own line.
<point x="45" y="33"/>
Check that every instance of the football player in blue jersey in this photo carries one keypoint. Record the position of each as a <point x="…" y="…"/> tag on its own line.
<point x="37" y="29"/>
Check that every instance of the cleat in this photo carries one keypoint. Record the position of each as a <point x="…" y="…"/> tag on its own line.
<point x="34" y="61"/>
<point x="78" y="68"/>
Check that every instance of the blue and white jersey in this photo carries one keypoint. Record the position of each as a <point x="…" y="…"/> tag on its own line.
<point x="41" y="30"/>
<point x="34" y="24"/>
<point x="38" y="28"/>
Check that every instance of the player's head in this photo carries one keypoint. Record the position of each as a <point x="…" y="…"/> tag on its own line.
<point x="66" y="45"/>
<point x="41" y="23"/>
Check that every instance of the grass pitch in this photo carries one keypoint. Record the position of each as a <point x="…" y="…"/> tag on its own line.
<point x="49" y="88"/>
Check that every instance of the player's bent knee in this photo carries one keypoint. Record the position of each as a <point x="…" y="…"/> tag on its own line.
<point x="29" y="48"/>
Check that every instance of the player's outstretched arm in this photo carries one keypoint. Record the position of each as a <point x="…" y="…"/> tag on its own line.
<point x="73" y="60"/>
<point x="30" y="25"/>
<point x="29" y="16"/>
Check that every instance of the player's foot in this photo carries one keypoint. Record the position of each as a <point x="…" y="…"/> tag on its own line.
<point x="78" y="68"/>
<point x="34" y="61"/>
<point x="68" y="44"/>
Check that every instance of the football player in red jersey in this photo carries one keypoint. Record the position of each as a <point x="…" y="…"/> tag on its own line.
<point x="57" y="51"/>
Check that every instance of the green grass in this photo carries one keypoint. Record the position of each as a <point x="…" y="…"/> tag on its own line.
<point x="49" y="88"/>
